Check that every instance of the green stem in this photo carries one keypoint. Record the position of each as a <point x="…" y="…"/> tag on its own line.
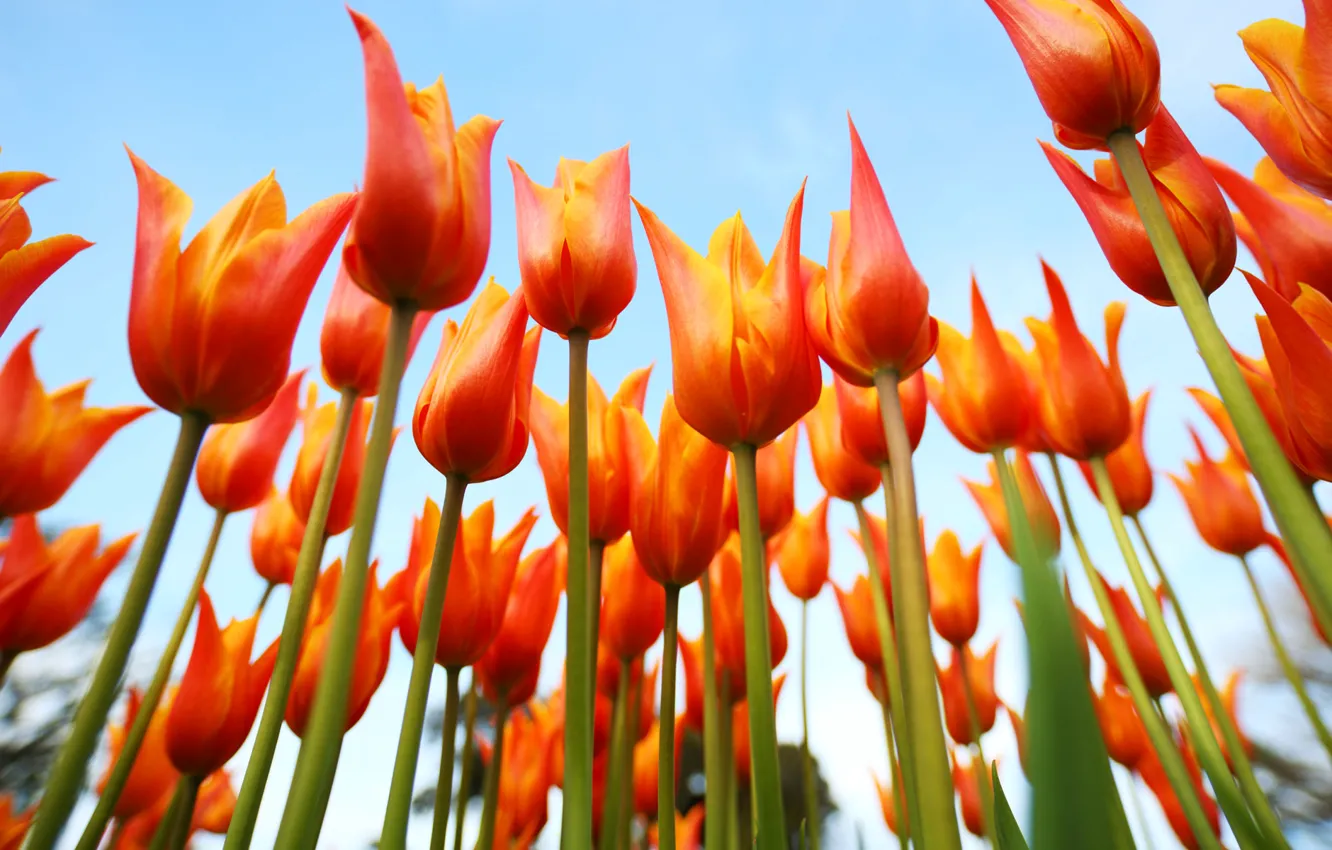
<point x="304" y="577"/>
<point x="1135" y="791"/>
<point x="806" y="759"/>
<point x="982" y="766"/>
<point x="714" y="784"/>
<point x="317" y="762"/>
<point x="666" y="725"/>
<point x="596" y="551"/>
<point x="439" y="833"/>
<point x="932" y="776"/>
<point x="626" y="816"/>
<point x="399" y="809"/>
<point x="895" y="778"/>
<point x="730" y="781"/>
<point x="1253" y="792"/>
<point x="264" y="597"/>
<point x="65" y="782"/>
<point x="764" y="767"/>
<point x="1296" y="513"/>
<point x="115" y="781"/>
<point x="610" y="808"/>
<point x="581" y="673"/>
<point x="465" y="780"/>
<point x="491" y="799"/>
<point x="167" y="825"/>
<point x="180" y="827"/>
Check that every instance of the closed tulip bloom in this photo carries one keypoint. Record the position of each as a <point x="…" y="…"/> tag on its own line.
<point x="24" y="265"/>
<point x="237" y="461"/>
<point x="514" y="656"/>
<point x="50" y="586"/>
<point x="353" y="336"/>
<point x="843" y="475"/>
<point x="862" y="423"/>
<point x="980" y="674"/>
<point x="633" y="605"/>
<point x="678" y="498"/>
<point x="774" y="465"/>
<point x="954" y="589"/>
<point x="46" y="440"/>
<point x="857" y="606"/>
<point x="13" y="823"/>
<point x="1040" y="513"/>
<point x="1221" y="502"/>
<point x="524" y="776"/>
<point x="803" y="552"/>
<point x="1095" y="66"/>
<point x="219" y="695"/>
<point x="1142" y="646"/>
<point x="575" y="243"/>
<point x="1288" y="229"/>
<point x="379" y="617"/>
<point x="870" y="312"/>
<point x="211" y="327"/>
<point x="471" y="415"/>
<point x="608" y="464"/>
<point x="1125" y="736"/>
<point x="731" y="315"/>
<point x="1130" y="473"/>
<point x="968" y="790"/>
<point x="740" y="730"/>
<point x="980" y="392"/>
<point x="728" y="619"/>
<point x="275" y="538"/>
<point x="421" y="232"/>
<point x="318" y="424"/>
<point x="1293" y="121"/>
<point x="152" y="776"/>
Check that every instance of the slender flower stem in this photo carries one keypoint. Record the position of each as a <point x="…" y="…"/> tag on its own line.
<point x="937" y="826"/>
<point x="895" y="778"/>
<point x="318" y="760"/>
<point x="730" y="782"/>
<point x="115" y="781"/>
<point x="1158" y="732"/>
<point x="577" y="815"/>
<point x="632" y="735"/>
<point x="1296" y="513"/>
<point x="465" y="780"/>
<point x="1139" y="813"/>
<point x="490" y="802"/>
<point x="304" y="578"/>
<point x="982" y="766"/>
<point x="714" y="779"/>
<point x="596" y="552"/>
<point x="179" y="835"/>
<point x="65" y="782"/>
<point x="610" y="808"/>
<point x="439" y="833"/>
<point x="399" y="809"/>
<point x="264" y="597"/>
<point x="666" y="726"/>
<point x="167" y="826"/>
<point x="1239" y="758"/>
<point x="807" y="760"/>
<point x="1287" y="663"/>
<point x="764" y="766"/>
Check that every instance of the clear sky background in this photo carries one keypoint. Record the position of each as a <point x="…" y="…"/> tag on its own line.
<point x="726" y="106"/>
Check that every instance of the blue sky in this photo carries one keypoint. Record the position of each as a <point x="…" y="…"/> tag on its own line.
<point x="726" y="106"/>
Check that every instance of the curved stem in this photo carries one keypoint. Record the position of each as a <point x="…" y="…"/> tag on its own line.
<point x="65" y="782"/>
<point x="129" y="751"/>
<point x="491" y="799"/>
<point x="714" y="785"/>
<point x="304" y="578"/>
<point x="465" y="780"/>
<point x="807" y="760"/>
<point x="895" y="778"/>
<point x="264" y="597"/>
<point x="399" y="808"/>
<point x="317" y="763"/>
<point x="439" y="832"/>
<point x="666" y="726"/>
<point x="982" y="766"/>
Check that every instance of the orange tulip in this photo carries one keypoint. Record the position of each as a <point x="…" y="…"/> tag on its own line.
<point x="1288" y="230"/>
<point x="688" y="830"/>
<point x="862" y="423"/>
<point x="524" y="778"/>
<point x="677" y="495"/>
<point x="211" y="328"/>
<point x="152" y="776"/>
<point x="1258" y="375"/>
<point x="888" y="805"/>
<point x="24" y="267"/>
<point x="46" y="441"/>
<point x="237" y="461"/>
<point x="353" y="336"/>
<point x="843" y="475"/>
<point x="514" y="656"/>
<point x="980" y="674"/>
<point x="954" y="589"/>
<point x="219" y="695"/>
<point x="608" y="464"/>
<point x="803" y="552"/>
<point x="1084" y="405"/>
<point x="215" y="804"/>
<point x="13" y="824"/>
<point x="633" y="605"/>
<point x="1095" y="66"/>
<point x="471" y="415"/>
<point x="575" y="243"/>
<point x="1154" y="776"/>
<point x="691" y="654"/>
<point x="646" y="763"/>
<point x="480" y="578"/>
<point x="1293" y="122"/>
<point x="608" y="670"/>
<point x="318" y="425"/>
<point x="1216" y="411"/>
<point x="878" y="527"/>
<point x="1130" y="473"/>
<point x="731" y="315"/>
<point x="1040" y="513"/>
<point x="1142" y="647"/>
<point x="857" y="607"/>
<point x="775" y="472"/>
<point x="275" y="538"/>
<point x="421" y="232"/>
<point x="378" y="618"/>
<point x="728" y="619"/>
<point x="1197" y="211"/>
<point x="50" y="586"/>
<point x="1229" y="696"/>
<point x="740" y="730"/>
<point x="1125" y="736"/>
<point x="1221" y="502"/>
<point x="967" y="784"/>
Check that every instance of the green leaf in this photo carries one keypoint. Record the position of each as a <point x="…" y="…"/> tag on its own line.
<point x="1009" y="833"/>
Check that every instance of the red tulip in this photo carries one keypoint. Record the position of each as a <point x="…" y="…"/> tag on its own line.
<point x="514" y="657"/>
<point x="319" y="421"/>
<point x="275" y="538"/>
<point x="353" y="336"/>
<point x="980" y="674"/>
<point x="633" y="605"/>
<point x="1130" y="473"/>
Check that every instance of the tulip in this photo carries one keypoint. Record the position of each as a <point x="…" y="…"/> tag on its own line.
<point x="378" y="618"/>
<point x="1287" y="229"/>
<point x="275" y="538"/>
<point x="421" y="232"/>
<point x="954" y="589"/>
<point x="575" y="244"/>
<point x="691" y="653"/>
<point x="215" y="804"/>
<point x="1146" y="654"/>
<point x="728" y="619"/>
<point x="1129" y="470"/>
<point x="633" y="607"/>
<point x="152" y="775"/>
<point x="15" y="183"/>
<point x="688" y="830"/>
<point x="24" y="267"/>
<point x="353" y="336"/>
<point x="1084" y="405"/>
<point x="1095" y="66"/>
<point x="529" y="615"/>
<point x="1216" y="411"/>
<point x="843" y="474"/>
<point x="1019" y="731"/>
<point x="1229" y="696"/>
<point x="729" y="314"/>
<point x="888" y="804"/>
<point x="1040" y="513"/>
<point x="1154" y="776"/>
<point x="320" y="422"/>
<point x="524" y="778"/>
<point x="1194" y="205"/>
<point x="46" y="441"/>
<point x="740" y="730"/>
<point x="857" y="610"/>
<point x="609" y="470"/>
<point x="870" y="313"/>
<point x="1125" y="736"/>
<point x="803" y="552"/>
<point x="1291" y="121"/>
<point x="967" y="783"/>
<point x="862" y="424"/>
<point x="13" y="824"/>
<point x="647" y="767"/>
<point x="1221" y="502"/>
<point x="967" y="672"/>
<point x="775" y="468"/>
<point x="237" y="461"/>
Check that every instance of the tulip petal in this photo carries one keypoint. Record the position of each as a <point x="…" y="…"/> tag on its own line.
<point x="25" y="269"/>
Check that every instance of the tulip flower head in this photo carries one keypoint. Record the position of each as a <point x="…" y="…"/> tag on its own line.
<point x="13" y="823"/>
<point x="1221" y="502"/>
<point x="1142" y="646"/>
<point x="857" y="607"/>
<point x="275" y="538"/>
<point x="353" y="336"/>
<point x="1040" y="513"/>
<point x="803" y="552"/>
<point x="979" y="673"/>
<point x="152" y="776"/>
<point x="967" y="784"/>
<point x="1216" y="411"/>
<point x="843" y="474"/>
<point x="237" y="461"/>
<point x="1154" y="777"/>
<point x="774" y="466"/>
<point x="318" y="423"/>
<point x="1130" y="473"/>
<point x="862" y="422"/>
<point x="1229" y="698"/>
<point x="215" y="804"/>
<point x="954" y="580"/>
<point x="1125" y="737"/>
<point x="529" y="616"/>
<point x="888" y="805"/>
<point x="24" y="265"/>
<point x="633" y="605"/>
<point x="728" y="619"/>
<point x="524" y="776"/>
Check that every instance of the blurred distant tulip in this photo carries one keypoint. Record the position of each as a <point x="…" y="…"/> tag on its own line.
<point x="236" y="462"/>
<point x="691" y="654"/>
<point x="421" y="233"/>
<point x="1125" y="736"/>
<point x="969" y="797"/>
<point x="1146" y="654"/>
<point x="524" y="778"/>
<point x="1229" y="696"/>
<point x="1041" y="514"/>
<point x="529" y="616"/>
<point x="215" y="804"/>
<point x="152" y="775"/>
<point x="1221" y="502"/>
<point x="889" y="807"/>
<point x="1019" y="725"/>
<point x="633" y="605"/>
<point x="1130" y="473"/>
<point x="862" y="424"/>
<point x="728" y="619"/>
<point x="954" y="589"/>
<point x="740" y="729"/>
<point x="13" y="823"/>
<point x="319" y="423"/>
<point x="353" y="336"/>
<point x="1216" y="411"/>
<point x="46" y="441"/>
<point x="979" y="672"/>
<point x="688" y="830"/>
<point x="843" y="475"/>
<point x="857" y="610"/>
<point x="775" y="468"/>
<point x="1154" y="776"/>
<point x="803" y="552"/>
<point x="24" y="265"/>
<point x="275" y="538"/>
